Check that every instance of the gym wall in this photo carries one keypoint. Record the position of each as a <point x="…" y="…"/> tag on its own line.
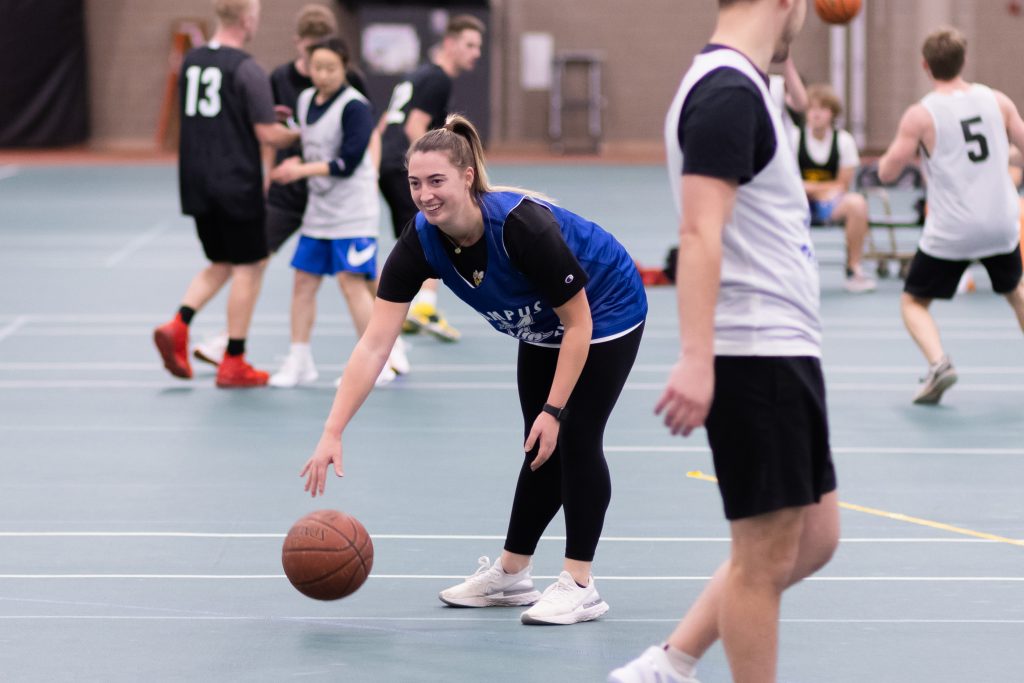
<point x="647" y="45"/>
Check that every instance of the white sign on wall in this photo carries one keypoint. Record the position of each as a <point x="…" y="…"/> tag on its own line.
<point x="536" y="52"/>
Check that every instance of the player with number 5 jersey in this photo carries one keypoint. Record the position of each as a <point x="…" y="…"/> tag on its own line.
<point x="963" y="131"/>
<point x="227" y="111"/>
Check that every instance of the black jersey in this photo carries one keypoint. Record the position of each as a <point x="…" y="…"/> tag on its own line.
<point x="286" y="83"/>
<point x="810" y="169"/>
<point x="223" y="92"/>
<point x="427" y="89"/>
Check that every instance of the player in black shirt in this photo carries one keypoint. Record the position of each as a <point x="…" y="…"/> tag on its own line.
<point x="287" y="202"/>
<point x="226" y="112"/>
<point x="417" y="105"/>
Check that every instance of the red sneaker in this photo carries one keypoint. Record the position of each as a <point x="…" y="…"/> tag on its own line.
<point x="234" y="373"/>
<point x="172" y="342"/>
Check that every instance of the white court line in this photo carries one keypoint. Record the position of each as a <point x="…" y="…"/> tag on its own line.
<point x="851" y="450"/>
<point x="481" y="332"/>
<point x="13" y="326"/>
<point x="136" y="244"/>
<point x="856" y="323"/>
<point x="449" y="537"/>
<point x="466" y="368"/>
<point x="450" y="577"/>
<point x="412" y="385"/>
<point x="474" y="619"/>
<point x="9" y="171"/>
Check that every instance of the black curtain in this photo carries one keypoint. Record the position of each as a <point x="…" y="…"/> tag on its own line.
<point x="43" y="95"/>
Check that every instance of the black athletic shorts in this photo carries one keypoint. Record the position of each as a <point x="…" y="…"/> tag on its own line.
<point x="281" y="224"/>
<point x="768" y="430"/>
<point x="229" y="240"/>
<point x="936" y="278"/>
<point x="394" y="185"/>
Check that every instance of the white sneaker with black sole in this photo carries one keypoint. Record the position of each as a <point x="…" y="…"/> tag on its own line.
<point x="564" y="602"/>
<point x="490" y="586"/>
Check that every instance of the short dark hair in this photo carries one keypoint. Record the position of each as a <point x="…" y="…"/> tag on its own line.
<point x="335" y="45"/>
<point x="463" y="22"/>
<point x="944" y="52"/>
<point x="722" y="4"/>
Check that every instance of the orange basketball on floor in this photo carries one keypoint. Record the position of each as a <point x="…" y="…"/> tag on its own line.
<point x="327" y="555"/>
<point x="837" y="11"/>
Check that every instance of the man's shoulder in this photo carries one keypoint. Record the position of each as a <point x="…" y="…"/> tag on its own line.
<point x="430" y="72"/>
<point x="283" y="72"/>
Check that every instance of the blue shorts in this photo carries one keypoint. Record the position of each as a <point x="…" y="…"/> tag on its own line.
<point x="328" y="257"/>
<point x="821" y="212"/>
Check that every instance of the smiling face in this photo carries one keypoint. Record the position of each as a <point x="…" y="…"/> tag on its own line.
<point x="439" y="189"/>
<point x="327" y="71"/>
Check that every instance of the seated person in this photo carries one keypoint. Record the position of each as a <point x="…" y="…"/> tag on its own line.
<point x="828" y="159"/>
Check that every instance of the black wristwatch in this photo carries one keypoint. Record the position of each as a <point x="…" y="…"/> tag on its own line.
<point x="558" y="413"/>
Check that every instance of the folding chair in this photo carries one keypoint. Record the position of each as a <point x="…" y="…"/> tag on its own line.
<point x="900" y="204"/>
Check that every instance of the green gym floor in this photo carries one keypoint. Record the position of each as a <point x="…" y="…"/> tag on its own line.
<point x="141" y="517"/>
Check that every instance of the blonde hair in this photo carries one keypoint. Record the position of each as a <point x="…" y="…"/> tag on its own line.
<point x="232" y="12"/>
<point x="459" y="140"/>
<point x="823" y="94"/>
<point x="315" y="21"/>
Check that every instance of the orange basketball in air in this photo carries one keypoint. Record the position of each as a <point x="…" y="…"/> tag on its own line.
<point x="837" y="11"/>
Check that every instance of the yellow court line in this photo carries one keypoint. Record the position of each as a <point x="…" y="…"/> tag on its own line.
<point x="897" y="516"/>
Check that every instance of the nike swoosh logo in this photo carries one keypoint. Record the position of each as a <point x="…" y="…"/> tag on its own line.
<point x="357" y="257"/>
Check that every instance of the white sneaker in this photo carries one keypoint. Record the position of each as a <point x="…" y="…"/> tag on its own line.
<point x="859" y="283"/>
<point x="490" y="586"/>
<point x="940" y="377"/>
<point x="212" y="349"/>
<point x="564" y="602"/>
<point x="398" y="361"/>
<point x="297" y="369"/>
<point x="386" y="376"/>
<point x="653" y="666"/>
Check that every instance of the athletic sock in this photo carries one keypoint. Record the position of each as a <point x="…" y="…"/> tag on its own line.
<point x="300" y="349"/>
<point x="236" y="347"/>
<point x="186" y="313"/>
<point x="685" y="664"/>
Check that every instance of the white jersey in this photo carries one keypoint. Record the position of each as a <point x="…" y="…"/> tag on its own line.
<point x="973" y="209"/>
<point x="768" y="302"/>
<point x="337" y="208"/>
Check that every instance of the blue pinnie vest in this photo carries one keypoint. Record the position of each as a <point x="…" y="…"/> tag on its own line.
<point x="512" y="304"/>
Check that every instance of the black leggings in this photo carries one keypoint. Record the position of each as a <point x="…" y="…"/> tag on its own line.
<point x="576" y="476"/>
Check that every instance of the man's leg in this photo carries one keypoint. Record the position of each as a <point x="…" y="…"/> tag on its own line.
<point x="698" y="630"/>
<point x="246" y="281"/>
<point x="206" y="284"/>
<point x="1016" y="301"/>
<point x="921" y="326"/>
<point x="764" y="553"/>
<point x="852" y="211"/>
